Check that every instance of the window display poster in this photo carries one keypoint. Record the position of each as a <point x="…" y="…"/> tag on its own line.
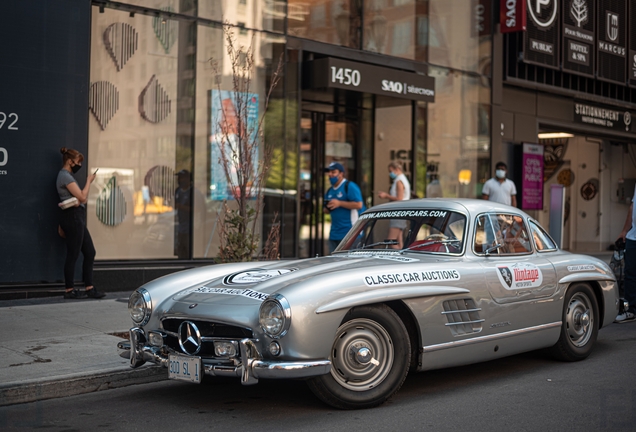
<point x="224" y="132"/>
<point x="532" y="171"/>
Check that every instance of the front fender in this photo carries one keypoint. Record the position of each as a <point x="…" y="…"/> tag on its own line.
<point x="388" y="294"/>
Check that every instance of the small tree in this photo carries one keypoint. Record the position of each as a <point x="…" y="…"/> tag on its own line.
<point x="245" y="157"/>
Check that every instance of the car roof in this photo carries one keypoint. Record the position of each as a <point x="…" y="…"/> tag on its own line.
<point x="463" y="205"/>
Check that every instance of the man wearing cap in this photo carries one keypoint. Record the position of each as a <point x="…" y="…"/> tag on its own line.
<point x="343" y="201"/>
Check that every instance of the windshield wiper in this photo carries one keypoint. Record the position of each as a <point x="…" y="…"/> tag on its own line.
<point x="381" y="243"/>
<point x="432" y="242"/>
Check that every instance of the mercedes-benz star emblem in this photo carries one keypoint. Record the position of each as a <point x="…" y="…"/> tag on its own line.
<point x="189" y="338"/>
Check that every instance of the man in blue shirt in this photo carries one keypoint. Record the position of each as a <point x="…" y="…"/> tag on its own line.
<point x="343" y="201"/>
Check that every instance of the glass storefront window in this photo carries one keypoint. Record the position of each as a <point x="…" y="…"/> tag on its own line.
<point x="214" y="95"/>
<point x="252" y="14"/>
<point x="459" y="34"/>
<point x="458" y="139"/>
<point x="186" y="7"/>
<point x="394" y="27"/>
<point x="133" y="135"/>
<point x="331" y="21"/>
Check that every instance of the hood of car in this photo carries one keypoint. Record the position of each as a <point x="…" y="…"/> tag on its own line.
<point x="251" y="286"/>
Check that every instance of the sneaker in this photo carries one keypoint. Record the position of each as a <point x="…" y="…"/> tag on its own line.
<point x="72" y="295"/>
<point x="93" y="293"/>
<point x="624" y="317"/>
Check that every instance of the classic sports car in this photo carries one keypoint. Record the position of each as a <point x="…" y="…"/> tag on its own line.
<point x="416" y="285"/>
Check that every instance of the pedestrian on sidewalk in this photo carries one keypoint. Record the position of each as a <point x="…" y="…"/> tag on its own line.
<point x="400" y="191"/>
<point x="73" y="225"/>
<point x="499" y="188"/>
<point x="628" y="235"/>
<point x="343" y="201"/>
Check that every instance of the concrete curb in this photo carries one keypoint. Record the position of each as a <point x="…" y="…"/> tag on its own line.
<point x="16" y="393"/>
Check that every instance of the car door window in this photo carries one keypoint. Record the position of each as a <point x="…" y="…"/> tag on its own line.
<point x="501" y="234"/>
<point x="542" y="241"/>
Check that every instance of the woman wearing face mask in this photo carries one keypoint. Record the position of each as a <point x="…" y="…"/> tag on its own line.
<point x="500" y="189"/>
<point x="73" y="225"/>
<point x="400" y="190"/>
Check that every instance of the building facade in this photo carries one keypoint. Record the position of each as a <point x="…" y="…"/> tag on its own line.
<point x="140" y="87"/>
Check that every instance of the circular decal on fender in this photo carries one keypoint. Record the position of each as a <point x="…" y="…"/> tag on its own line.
<point x="254" y="276"/>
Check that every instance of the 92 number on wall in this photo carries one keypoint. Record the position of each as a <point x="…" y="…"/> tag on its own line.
<point x="345" y="76"/>
<point x="11" y="117"/>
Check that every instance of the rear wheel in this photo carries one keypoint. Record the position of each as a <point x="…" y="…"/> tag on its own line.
<point x="369" y="359"/>
<point x="580" y="324"/>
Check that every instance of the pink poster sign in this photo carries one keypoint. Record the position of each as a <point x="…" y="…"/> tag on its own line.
<point x="532" y="187"/>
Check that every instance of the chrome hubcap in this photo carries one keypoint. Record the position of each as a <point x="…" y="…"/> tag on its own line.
<point x="362" y="355"/>
<point x="579" y="319"/>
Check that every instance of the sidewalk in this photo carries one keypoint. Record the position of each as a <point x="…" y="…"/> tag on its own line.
<point x="55" y="348"/>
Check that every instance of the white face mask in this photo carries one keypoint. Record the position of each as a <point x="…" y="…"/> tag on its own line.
<point x="500" y="173"/>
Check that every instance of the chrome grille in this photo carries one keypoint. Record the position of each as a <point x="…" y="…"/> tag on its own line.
<point x="462" y="316"/>
<point x="209" y="331"/>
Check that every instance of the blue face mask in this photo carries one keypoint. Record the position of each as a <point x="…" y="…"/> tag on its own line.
<point x="333" y="180"/>
<point x="392" y="175"/>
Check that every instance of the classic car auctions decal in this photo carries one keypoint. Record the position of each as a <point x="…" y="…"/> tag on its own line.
<point x="230" y="291"/>
<point x="519" y="275"/>
<point x="582" y="267"/>
<point x="404" y="213"/>
<point x="253" y="276"/>
<point x="412" y="277"/>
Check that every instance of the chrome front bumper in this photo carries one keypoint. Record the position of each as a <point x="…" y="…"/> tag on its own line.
<point x="251" y="368"/>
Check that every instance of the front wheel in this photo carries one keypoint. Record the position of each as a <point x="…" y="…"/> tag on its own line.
<point x="580" y="324"/>
<point x="369" y="359"/>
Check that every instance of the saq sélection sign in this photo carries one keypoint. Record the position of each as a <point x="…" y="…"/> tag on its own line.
<point x="335" y="73"/>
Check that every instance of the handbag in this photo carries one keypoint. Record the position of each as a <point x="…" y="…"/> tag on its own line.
<point x="71" y="202"/>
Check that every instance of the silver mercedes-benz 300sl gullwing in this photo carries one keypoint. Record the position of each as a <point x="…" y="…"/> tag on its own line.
<point x="416" y="285"/>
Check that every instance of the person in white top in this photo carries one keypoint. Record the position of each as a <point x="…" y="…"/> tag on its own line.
<point x="400" y="191"/>
<point x="628" y="235"/>
<point x="500" y="189"/>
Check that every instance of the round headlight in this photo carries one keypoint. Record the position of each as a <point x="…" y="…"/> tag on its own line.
<point x="139" y="306"/>
<point x="274" y="316"/>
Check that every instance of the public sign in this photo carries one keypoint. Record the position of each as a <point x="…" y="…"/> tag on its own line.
<point x="578" y="37"/>
<point x="532" y="172"/>
<point x="604" y="117"/>
<point x="512" y="16"/>
<point x="611" y="64"/>
<point x="541" y="41"/>
<point x="335" y="73"/>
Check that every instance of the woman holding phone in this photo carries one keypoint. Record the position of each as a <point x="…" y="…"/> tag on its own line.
<point x="73" y="225"/>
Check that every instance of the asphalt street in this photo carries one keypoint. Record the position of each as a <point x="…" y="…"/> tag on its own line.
<point x="528" y="392"/>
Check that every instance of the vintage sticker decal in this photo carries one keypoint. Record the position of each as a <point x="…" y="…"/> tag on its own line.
<point x="392" y="278"/>
<point x="582" y="267"/>
<point x="256" y="295"/>
<point x="519" y="276"/>
<point x="253" y="276"/>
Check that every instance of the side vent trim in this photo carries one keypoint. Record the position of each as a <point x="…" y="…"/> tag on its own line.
<point x="462" y="316"/>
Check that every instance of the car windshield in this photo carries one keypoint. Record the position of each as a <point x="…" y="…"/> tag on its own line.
<point x="429" y="231"/>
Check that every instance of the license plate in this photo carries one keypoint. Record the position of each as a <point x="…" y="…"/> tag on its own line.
<point x="184" y="368"/>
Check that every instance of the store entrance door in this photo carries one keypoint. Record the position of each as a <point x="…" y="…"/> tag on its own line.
<point x="325" y="138"/>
